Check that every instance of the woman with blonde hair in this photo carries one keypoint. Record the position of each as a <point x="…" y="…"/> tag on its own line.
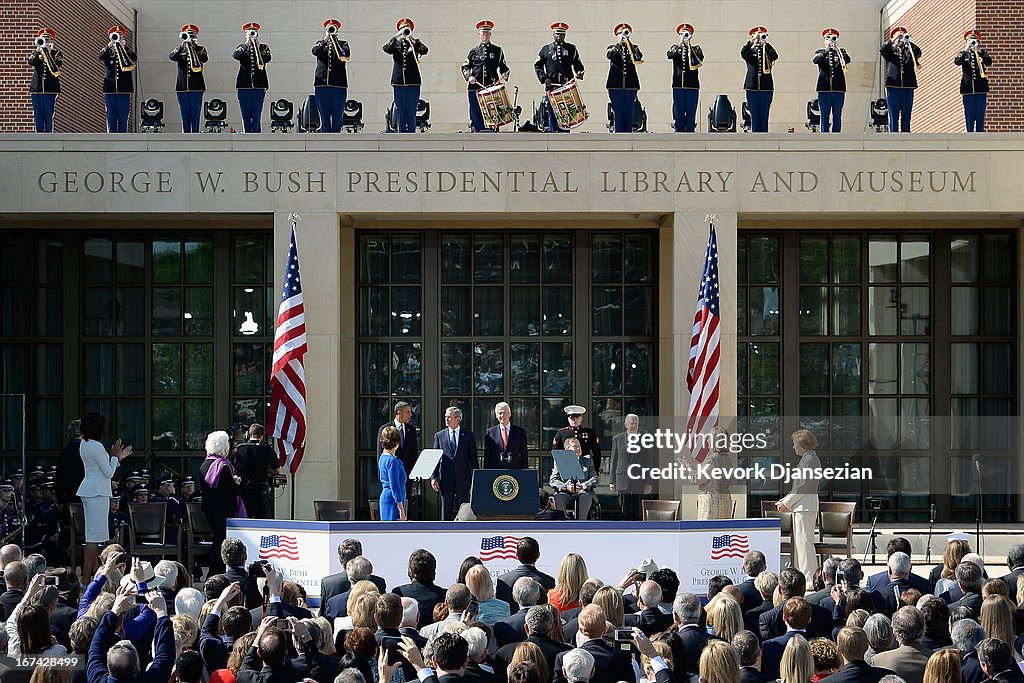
<point x="719" y="663"/>
<point x="797" y="665"/>
<point x="997" y="619"/>
<point x="610" y="600"/>
<point x="530" y="652"/>
<point x="571" y="575"/>
<point x="943" y="667"/>
<point x="727" y="618"/>
<point x="952" y="555"/>
<point x="802" y="501"/>
<point x="481" y="585"/>
<point x="664" y="651"/>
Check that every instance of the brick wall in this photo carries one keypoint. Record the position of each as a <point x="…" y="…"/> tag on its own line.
<point x="81" y="27"/>
<point x="938" y="27"/>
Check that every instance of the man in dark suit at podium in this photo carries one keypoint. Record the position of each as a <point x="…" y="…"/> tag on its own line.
<point x="407" y="452"/>
<point x="505" y="443"/>
<point x="454" y="473"/>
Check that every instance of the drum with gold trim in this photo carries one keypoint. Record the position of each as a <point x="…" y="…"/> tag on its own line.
<point x="567" y="105"/>
<point x="495" y="108"/>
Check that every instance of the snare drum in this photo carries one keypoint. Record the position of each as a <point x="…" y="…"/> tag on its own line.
<point x="495" y="108"/>
<point x="567" y="105"/>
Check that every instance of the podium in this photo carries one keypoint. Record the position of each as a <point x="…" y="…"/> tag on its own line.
<point x="505" y="494"/>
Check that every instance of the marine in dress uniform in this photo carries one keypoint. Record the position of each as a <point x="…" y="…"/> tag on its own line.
<point x="252" y="82"/>
<point x="557" y="63"/>
<point x="975" y="62"/>
<point x="46" y="62"/>
<point x="831" y="61"/>
<point x="163" y="492"/>
<point x="330" y="82"/>
<point x="686" y="59"/>
<point x="902" y="60"/>
<point x="406" y="51"/>
<point x="589" y="443"/>
<point x="118" y="80"/>
<point x="190" y="86"/>
<point x="484" y="66"/>
<point x="623" y="82"/>
<point x="10" y="515"/>
<point x="760" y="56"/>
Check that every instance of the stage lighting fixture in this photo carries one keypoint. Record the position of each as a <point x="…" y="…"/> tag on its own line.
<point x="281" y="112"/>
<point x="722" y="116"/>
<point x="813" y="116"/>
<point x="880" y="115"/>
<point x="352" y="120"/>
<point x="215" y="113"/>
<point x="152" y="116"/>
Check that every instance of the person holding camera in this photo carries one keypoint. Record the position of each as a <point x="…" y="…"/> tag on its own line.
<point x="46" y="62"/>
<point x="831" y="61"/>
<point x="760" y="57"/>
<point x="974" y="60"/>
<point x="686" y="59"/>
<point x="255" y="462"/>
<point x="902" y="59"/>
<point x="191" y="84"/>
<point x="406" y="50"/>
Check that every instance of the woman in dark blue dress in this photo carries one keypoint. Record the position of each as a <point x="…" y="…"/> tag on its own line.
<point x="393" y="503"/>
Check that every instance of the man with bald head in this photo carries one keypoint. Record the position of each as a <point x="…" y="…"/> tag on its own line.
<point x="505" y="443"/>
<point x="649" y="619"/>
<point x="625" y="454"/>
<point x="610" y="665"/>
<point x="8" y="553"/>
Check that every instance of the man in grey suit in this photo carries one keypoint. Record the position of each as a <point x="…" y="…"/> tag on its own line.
<point x="630" y="490"/>
<point x="802" y="501"/>
<point x="910" y="658"/>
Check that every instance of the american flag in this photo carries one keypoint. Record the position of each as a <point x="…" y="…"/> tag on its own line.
<point x="705" y="352"/>
<point x="278" y="546"/>
<point x="729" y="545"/>
<point x="288" y="377"/>
<point x="498" y="548"/>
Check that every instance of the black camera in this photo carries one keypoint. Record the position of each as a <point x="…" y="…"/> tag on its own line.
<point x="258" y="569"/>
<point x="876" y="504"/>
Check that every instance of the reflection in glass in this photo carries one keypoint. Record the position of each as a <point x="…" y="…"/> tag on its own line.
<point x="488" y="369"/>
<point x="846" y="369"/>
<point x="764" y="368"/>
<point x="167" y="369"/>
<point x="374" y="314"/>
<point x="99" y="255"/>
<point x="198" y="313"/>
<point x="963" y="258"/>
<point x="846" y="311"/>
<point x="248" y="255"/>
<point x="524" y="265"/>
<point x="916" y="369"/>
<point x="557" y="259"/>
<point x="406" y="311"/>
<point x="524" y="308"/>
<point x="373" y="369"/>
<point x="764" y="260"/>
<point x="557" y="369"/>
<point x="374" y="261"/>
<point x="166" y="421"/>
<point x="455" y="369"/>
<point x="129" y="370"/>
<point x="525" y="371"/>
<point x="881" y="311"/>
<point x="557" y="311"/>
<point x="813" y="378"/>
<point x="166" y="311"/>
<point x="638" y="369"/>
<point x="963" y="369"/>
<point x="199" y="261"/>
<point x="915" y="316"/>
<point x="813" y="260"/>
<point x="406" y="369"/>
<point x="881" y="368"/>
<point x="99" y="312"/>
<point x="526" y="413"/>
<point x="606" y="259"/>
<point x="373" y="412"/>
<point x="638" y="315"/>
<point x="964" y="427"/>
<point x="455" y="259"/>
<point x="882" y="265"/>
<point x="607" y="369"/>
<point x="998" y="311"/>
<point x="405" y="259"/>
<point x="488" y="258"/>
<point x="131" y="262"/>
<point x="456" y="312"/>
<point x="915" y="423"/>
<point x="638" y="257"/>
<point x="248" y="368"/>
<point x="882" y="423"/>
<point x="607" y="305"/>
<point x="764" y="311"/>
<point x="488" y="313"/>
<point x="198" y="369"/>
<point x="248" y="410"/>
<point x="813" y="307"/>
<point x="198" y="417"/>
<point x="846" y="261"/>
<point x="915" y="258"/>
<point x="129" y="311"/>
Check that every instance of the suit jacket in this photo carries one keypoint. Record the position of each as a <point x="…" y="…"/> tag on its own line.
<point x="1011" y="675"/>
<point x="749" y="674"/>
<point x="622" y="459"/>
<point x="1011" y="579"/>
<point x="511" y="629"/>
<point x="907" y="661"/>
<point x="332" y="585"/>
<point x="455" y="470"/>
<point x="900" y="65"/>
<point x="857" y="672"/>
<point x="407" y="452"/>
<point x="875" y="582"/>
<point x="971" y="601"/>
<point x="770" y="624"/>
<point x="970" y="667"/>
<point x="253" y="671"/>
<point x="751" y="596"/>
<point x="609" y="665"/>
<point x="9" y="600"/>
<point x="212" y="647"/>
<point x="803" y="497"/>
<point x="516" y="455"/>
<point x="99" y="468"/>
<point x="771" y="652"/>
<point x="759" y="77"/>
<point x="71" y="472"/>
<point x="428" y="595"/>
<point x="753" y="616"/>
<point x="189" y="80"/>
<point x="550" y="648"/>
<point x="250" y="590"/>
<point x="651" y="620"/>
<point x="693" y="638"/>
<point x="105" y="638"/>
<point x="507" y="580"/>
<point x="818" y="597"/>
<point x="888" y="595"/>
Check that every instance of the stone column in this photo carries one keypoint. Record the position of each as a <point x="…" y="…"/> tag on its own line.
<point x="319" y="475"/>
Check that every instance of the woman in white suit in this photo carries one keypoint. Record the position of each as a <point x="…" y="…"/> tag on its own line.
<point x="802" y="501"/>
<point x="95" y="489"/>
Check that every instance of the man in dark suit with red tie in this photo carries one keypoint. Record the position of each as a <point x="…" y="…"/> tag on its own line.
<point x="505" y="443"/>
<point x="454" y="473"/>
<point x="407" y="452"/>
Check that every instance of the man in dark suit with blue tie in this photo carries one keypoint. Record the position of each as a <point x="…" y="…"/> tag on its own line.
<point x="454" y="473"/>
<point x="505" y="443"/>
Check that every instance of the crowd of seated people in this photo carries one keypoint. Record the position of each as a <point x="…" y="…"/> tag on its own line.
<point x="157" y="623"/>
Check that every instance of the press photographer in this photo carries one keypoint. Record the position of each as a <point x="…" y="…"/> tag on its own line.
<point x="257" y="465"/>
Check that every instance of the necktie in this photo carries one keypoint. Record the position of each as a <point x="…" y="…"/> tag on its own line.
<point x="504" y="436"/>
<point x="401" y="433"/>
<point x="454" y="441"/>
